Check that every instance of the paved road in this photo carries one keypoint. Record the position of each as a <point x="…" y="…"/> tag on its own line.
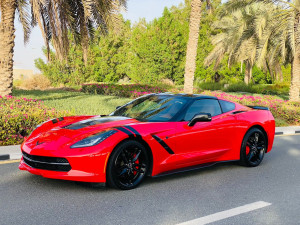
<point x="29" y="199"/>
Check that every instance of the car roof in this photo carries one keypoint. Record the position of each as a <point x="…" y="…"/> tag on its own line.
<point x="193" y="96"/>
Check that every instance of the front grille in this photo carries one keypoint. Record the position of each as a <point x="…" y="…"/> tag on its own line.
<point x="46" y="163"/>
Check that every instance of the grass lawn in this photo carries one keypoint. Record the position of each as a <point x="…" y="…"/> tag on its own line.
<point x="76" y="102"/>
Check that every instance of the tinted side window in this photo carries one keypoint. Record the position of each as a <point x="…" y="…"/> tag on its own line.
<point x="227" y="106"/>
<point x="203" y="106"/>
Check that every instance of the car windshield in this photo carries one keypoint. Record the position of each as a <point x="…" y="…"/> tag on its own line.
<point x="153" y="108"/>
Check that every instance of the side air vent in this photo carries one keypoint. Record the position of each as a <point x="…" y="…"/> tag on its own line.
<point x="238" y="112"/>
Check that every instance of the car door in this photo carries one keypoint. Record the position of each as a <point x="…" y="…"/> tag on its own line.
<point x="205" y="141"/>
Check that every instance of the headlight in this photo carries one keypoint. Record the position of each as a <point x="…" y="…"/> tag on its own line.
<point x="94" y="139"/>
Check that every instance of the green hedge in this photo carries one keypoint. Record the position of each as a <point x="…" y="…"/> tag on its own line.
<point x="124" y="90"/>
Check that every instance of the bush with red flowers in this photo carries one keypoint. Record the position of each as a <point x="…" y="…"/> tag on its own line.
<point x="19" y="116"/>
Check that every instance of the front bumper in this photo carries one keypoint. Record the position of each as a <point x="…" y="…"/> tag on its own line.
<point x="84" y="168"/>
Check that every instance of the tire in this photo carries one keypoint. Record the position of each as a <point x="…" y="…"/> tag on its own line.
<point x="253" y="148"/>
<point x="127" y="166"/>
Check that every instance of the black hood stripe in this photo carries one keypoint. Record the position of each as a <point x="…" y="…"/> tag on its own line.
<point x="137" y="134"/>
<point x="163" y="144"/>
<point x="54" y="121"/>
<point x="94" y="121"/>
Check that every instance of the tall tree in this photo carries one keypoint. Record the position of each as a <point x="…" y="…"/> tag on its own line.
<point x="192" y="46"/>
<point x="284" y="36"/>
<point x="55" y="18"/>
<point x="7" y="30"/>
<point x="240" y="37"/>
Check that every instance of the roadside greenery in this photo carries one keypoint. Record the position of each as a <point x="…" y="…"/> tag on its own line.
<point x="125" y="90"/>
<point x="279" y="89"/>
<point x="147" y="53"/>
<point x="29" y="108"/>
<point x="19" y="116"/>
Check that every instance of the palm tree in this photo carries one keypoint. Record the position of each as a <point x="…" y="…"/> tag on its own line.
<point x="240" y="36"/>
<point x="283" y="36"/>
<point x="192" y="46"/>
<point x="55" y="19"/>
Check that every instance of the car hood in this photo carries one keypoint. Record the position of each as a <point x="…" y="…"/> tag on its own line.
<point x="66" y="130"/>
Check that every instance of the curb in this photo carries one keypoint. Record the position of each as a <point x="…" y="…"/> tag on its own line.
<point x="17" y="156"/>
<point x="287" y="132"/>
<point x="4" y="157"/>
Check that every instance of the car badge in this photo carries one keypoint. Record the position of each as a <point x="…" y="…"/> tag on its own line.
<point x="39" y="143"/>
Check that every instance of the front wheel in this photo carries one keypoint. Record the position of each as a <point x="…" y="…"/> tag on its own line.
<point x="253" y="148"/>
<point x="127" y="165"/>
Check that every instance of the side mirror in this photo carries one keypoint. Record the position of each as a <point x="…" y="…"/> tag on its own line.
<point x="118" y="107"/>
<point x="201" y="117"/>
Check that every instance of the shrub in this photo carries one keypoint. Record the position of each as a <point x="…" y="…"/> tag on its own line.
<point x="275" y="89"/>
<point x="267" y="89"/>
<point x="242" y="87"/>
<point x="125" y="90"/>
<point x="20" y="116"/>
<point x="17" y="83"/>
<point x="211" y="86"/>
<point x="37" y="82"/>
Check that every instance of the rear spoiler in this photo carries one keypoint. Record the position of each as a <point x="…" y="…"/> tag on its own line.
<point x="258" y="107"/>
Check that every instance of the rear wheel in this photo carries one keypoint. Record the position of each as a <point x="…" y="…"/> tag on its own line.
<point x="253" y="147"/>
<point x="127" y="165"/>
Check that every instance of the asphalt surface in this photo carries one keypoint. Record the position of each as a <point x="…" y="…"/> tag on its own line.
<point x="30" y="199"/>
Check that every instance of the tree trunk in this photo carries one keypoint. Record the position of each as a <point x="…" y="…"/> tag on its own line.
<point x="295" y="79"/>
<point x="85" y="47"/>
<point x="192" y="46"/>
<point x="84" y="42"/>
<point x="7" y="44"/>
<point x="279" y="75"/>
<point x="242" y="62"/>
<point x="271" y="71"/>
<point x="248" y="73"/>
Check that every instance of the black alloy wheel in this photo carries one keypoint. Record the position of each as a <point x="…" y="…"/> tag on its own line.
<point x="128" y="165"/>
<point x="253" y="148"/>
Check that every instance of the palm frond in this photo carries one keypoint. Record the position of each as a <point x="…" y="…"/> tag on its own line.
<point x="24" y="18"/>
<point x="80" y="17"/>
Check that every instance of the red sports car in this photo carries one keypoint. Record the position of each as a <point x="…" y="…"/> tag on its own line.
<point x="154" y="135"/>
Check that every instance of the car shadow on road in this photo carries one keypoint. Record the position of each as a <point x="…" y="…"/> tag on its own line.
<point x="195" y="172"/>
<point x="64" y="185"/>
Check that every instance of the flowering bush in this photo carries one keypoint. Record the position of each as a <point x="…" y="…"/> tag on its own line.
<point x="125" y="90"/>
<point x="19" y="116"/>
<point x="285" y="110"/>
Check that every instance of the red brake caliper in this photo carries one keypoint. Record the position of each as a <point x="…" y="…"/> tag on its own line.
<point x="247" y="149"/>
<point x="137" y="162"/>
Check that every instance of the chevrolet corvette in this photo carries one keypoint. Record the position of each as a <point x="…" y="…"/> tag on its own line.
<point x="154" y="135"/>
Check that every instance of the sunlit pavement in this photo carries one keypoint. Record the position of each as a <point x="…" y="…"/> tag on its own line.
<point x="223" y="194"/>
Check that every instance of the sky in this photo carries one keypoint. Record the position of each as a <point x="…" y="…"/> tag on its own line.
<point x="26" y="54"/>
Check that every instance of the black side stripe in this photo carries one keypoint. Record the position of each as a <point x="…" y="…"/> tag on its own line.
<point x="163" y="144"/>
<point x="137" y="134"/>
<point x="131" y="135"/>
